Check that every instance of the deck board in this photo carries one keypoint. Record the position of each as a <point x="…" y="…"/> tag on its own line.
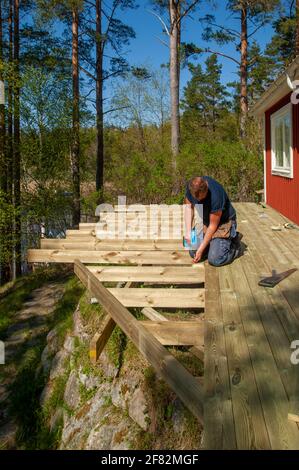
<point x="259" y="325"/>
<point x="219" y="427"/>
<point x="251" y="431"/>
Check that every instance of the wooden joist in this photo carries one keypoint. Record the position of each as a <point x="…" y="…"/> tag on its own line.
<point x="178" y="378"/>
<point x="94" y="244"/>
<point x="160" y="297"/>
<point x="152" y="314"/>
<point x="110" y="257"/>
<point x="193" y="274"/>
<point x="127" y="234"/>
<point x="176" y="333"/>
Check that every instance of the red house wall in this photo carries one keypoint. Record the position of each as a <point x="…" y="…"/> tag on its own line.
<point x="283" y="193"/>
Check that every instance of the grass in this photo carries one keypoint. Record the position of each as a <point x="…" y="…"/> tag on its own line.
<point x="33" y="430"/>
<point x="11" y="300"/>
<point x="62" y="317"/>
<point x="116" y="347"/>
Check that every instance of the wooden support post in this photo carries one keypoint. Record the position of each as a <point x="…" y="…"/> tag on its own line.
<point x="100" y="339"/>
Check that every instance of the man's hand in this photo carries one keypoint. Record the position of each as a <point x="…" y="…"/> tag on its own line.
<point x="198" y="255"/>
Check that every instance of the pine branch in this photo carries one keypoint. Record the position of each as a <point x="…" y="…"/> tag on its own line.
<point x="90" y="75"/>
<point x="209" y="51"/>
<point x="185" y="13"/>
<point x="115" y="109"/>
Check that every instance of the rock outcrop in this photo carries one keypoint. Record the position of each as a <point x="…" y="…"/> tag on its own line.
<point x="109" y="406"/>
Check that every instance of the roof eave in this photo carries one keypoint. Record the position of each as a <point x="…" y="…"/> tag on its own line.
<point x="277" y="90"/>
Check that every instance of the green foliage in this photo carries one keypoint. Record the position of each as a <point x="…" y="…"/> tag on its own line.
<point x="281" y="49"/>
<point x="205" y="97"/>
<point x="238" y="170"/>
<point x="25" y="393"/>
<point x="56" y="399"/>
<point x="7" y="214"/>
<point x="116" y="346"/>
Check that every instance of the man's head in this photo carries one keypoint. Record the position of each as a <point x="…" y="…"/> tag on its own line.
<point x="198" y="187"/>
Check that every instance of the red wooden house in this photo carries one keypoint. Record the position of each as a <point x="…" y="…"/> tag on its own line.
<point x="278" y="108"/>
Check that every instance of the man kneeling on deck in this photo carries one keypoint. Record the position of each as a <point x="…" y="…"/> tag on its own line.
<point x="221" y="241"/>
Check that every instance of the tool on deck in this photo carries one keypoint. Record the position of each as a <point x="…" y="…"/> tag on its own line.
<point x="289" y="225"/>
<point x="271" y="281"/>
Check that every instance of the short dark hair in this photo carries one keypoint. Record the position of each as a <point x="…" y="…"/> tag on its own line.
<point x="197" y="186"/>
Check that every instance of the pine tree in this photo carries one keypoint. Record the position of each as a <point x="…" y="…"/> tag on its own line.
<point x="205" y="97"/>
<point x="281" y="50"/>
<point x="259" y="72"/>
<point x="252" y="14"/>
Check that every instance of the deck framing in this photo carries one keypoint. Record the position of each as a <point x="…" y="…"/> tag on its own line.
<point x="248" y="397"/>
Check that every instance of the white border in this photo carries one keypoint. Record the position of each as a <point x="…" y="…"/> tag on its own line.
<point x="276" y="171"/>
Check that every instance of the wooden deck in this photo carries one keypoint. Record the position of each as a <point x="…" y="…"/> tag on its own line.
<point x="249" y="378"/>
<point x="250" y="385"/>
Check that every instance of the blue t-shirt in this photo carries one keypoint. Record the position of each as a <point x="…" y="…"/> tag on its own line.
<point x="216" y="200"/>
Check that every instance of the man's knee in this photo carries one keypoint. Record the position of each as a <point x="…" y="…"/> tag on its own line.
<point x="218" y="252"/>
<point x="215" y="261"/>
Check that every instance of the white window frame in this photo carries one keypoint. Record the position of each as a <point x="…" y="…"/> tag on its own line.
<point x="276" y="170"/>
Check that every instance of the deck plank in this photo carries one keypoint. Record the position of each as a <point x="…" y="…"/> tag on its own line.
<point x="110" y="257"/>
<point x="153" y="274"/>
<point x="160" y="297"/>
<point x="219" y="427"/>
<point x="251" y="431"/>
<point x="252" y="301"/>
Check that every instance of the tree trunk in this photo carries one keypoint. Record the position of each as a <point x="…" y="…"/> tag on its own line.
<point x="99" y="100"/>
<point x="10" y="108"/>
<point x="4" y="265"/>
<point x="3" y="162"/>
<point x="16" y="146"/>
<point x="297" y="27"/>
<point x="174" y="78"/>
<point x="7" y="271"/>
<point x="244" y="72"/>
<point x="75" y="150"/>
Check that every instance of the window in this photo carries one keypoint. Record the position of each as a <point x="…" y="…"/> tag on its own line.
<point x="281" y="142"/>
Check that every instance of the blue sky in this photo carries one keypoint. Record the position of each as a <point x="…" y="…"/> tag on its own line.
<point x="147" y="49"/>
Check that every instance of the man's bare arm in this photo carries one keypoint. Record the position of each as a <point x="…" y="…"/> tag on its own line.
<point x="188" y="215"/>
<point x="213" y="225"/>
